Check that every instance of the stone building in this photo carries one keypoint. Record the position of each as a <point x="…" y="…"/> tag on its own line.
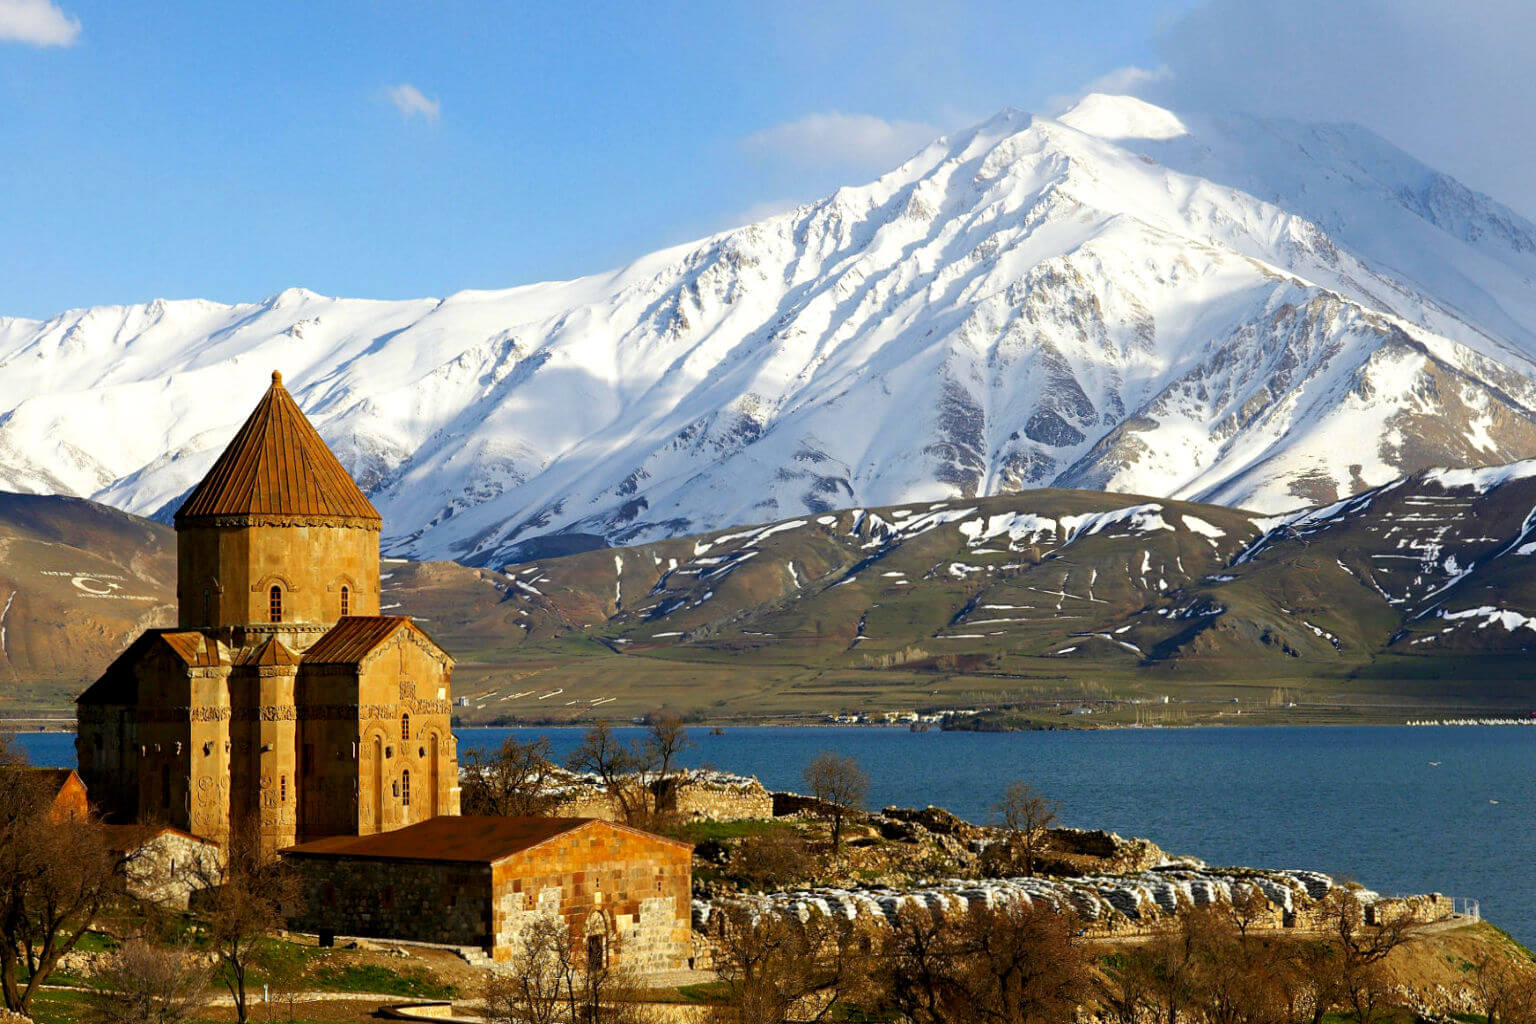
<point x="162" y="865"/>
<point x="480" y="881"/>
<point x="65" y="792"/>
<point x="282" y="701"/>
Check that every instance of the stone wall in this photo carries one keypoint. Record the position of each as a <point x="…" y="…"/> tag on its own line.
<point x="166" y="868"/>
<point x="703" y="797"/>
<point x="417" y="901"/>
<point x="631" y="888"/>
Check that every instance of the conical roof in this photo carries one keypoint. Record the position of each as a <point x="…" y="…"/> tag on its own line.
<point x="277" y="465"/>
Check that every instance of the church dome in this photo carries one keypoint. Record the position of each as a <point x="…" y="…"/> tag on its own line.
<point x="277" y="466"/>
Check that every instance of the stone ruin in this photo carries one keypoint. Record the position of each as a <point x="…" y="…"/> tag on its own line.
<point x="1101" y="902"/>
<point x="702" y="794"/>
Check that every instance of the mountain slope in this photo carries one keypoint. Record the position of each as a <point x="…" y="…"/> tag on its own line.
<point x="77" y="582"/>
<point x="1257" y="313"/>
<point x="1417" y="594"/>
<point x="1413" y="597"/>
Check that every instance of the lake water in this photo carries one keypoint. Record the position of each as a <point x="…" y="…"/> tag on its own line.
<point x="1442" y="809"/>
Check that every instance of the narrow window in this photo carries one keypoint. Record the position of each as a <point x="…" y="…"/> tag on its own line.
<point x="405" y="788"/>
<point x="595" y="953"/>
<point x="405" y="728"/>
<point x="346" y="602"/>
<point x="207" y="608"/>
<point x="282" y="788"/>
<point x="275" y="603"/>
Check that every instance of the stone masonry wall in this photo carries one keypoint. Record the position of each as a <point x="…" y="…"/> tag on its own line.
<point x="696" y="801"/>
<point x="418" y="901"/>
<point x="632" y="888"/>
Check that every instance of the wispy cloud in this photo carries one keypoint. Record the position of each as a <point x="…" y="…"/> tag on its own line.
<point x="832" y="138"/>
<point x="37" y="22"/>
<point x="412" y="102"/>
<point x="1127" y="81"/>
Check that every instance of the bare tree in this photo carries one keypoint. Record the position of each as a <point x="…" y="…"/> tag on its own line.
<point x="780" y="969"/>
<point x="550" y="981"/>
<point x="56" y="877"/>
<point x="1167" y="965"/>
<point x="840" y="786"/>
<point x="665" y="739"/>
<point x="1315" y="978"/>
<point x="1505" y="988"/>
<point x="513" y="782"/>
<point x="1356" y="974"/>
<point x="773" y="859"/>
<point x="144" y="983"/>
<point x="617" y="767"/>
<point x="1122" y="988"/>
<point x="1249" y="908"/>
<point x="1237" y="978"/>
<point x="1014" y="963"/>
<point x="540" y="985"/>
<point x="1024" y="815"/>
<point x="247" y="895"/>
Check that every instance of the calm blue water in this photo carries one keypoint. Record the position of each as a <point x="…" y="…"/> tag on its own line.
<point x="1364" y="802"/>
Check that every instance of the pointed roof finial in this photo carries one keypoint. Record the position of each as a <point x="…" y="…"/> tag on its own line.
<point x="277" y="378"/>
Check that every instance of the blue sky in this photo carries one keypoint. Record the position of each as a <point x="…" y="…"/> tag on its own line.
<point x="398" y="148"/>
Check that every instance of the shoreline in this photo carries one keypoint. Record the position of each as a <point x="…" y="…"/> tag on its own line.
<point x="1464" y="723"/>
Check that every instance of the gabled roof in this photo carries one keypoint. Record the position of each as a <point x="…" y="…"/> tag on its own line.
<point x="197" y="650"/>
<point x="277" y="465"/>
<point x="129" y="838"/>
<point x="353" y="638"/>
<point x="468" y="839"/>
<point x="271" y="652"/>
<point x="119" y="684"/>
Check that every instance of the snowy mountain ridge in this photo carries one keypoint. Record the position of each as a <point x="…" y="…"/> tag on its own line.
<point x="1258" y="313"/>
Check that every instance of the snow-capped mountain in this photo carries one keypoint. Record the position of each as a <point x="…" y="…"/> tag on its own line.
<point x="1253" y="312"/>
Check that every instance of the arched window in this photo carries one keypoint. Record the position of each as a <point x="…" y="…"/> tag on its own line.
<point x="405" y="728"/>
<point x="275" y="603"/>
<point x="346" y="602"/>
<point x="405" y="788"/>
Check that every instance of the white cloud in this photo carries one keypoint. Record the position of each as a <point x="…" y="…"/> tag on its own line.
<point x="1127" y="81"/>
<point x="412" y="102"/>
<point x="1449" y="82"/>
<point x="38" y="22"/>
<point x="850" y="140"/>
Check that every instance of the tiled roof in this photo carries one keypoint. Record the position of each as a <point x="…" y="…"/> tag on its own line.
<point x="277" y="465"/>
<point x="129" y="838"/>
<point x="352" y="638"/>
<point x="119" y="684"/>
<point x="271" y="652"/>
<point x="196" y="649"/>
<point x="469" y="839"/>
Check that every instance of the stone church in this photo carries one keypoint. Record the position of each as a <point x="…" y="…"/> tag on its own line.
<point x="282" y="701"/>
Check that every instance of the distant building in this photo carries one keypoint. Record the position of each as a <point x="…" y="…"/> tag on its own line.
<point x="480" y="882"/>
<point x="161" y="864"/>
<point x="283" y="701"/>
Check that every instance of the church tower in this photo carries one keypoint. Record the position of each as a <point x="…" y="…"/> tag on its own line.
<point x="277" y="541"/>
<point x="283" y="703"/>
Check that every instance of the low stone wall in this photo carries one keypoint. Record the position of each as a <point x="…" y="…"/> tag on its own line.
<point x="712" y="797"/>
